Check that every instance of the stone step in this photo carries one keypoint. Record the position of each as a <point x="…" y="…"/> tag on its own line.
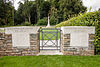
<point x="50" y="52"/>
<point x="50" y="48"/>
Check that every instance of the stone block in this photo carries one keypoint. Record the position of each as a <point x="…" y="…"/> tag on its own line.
<point x="66" y="40"/>
<point x="7" y="51"/>
<point x="91" y="36"/>
<point x="33" y="43"/>
<point x="1" y="43"/>
<point x="67" y="36"/>
<point x="68" y="53"/>
<point x="1" y="35"/>
<point x="66" y="43"/>
<point x="8" y="41"/>
<point x="33" y="37"/>
<point x="24" y="52"/>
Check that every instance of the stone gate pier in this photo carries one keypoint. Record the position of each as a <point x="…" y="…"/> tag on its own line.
<point x="25" y="40"/>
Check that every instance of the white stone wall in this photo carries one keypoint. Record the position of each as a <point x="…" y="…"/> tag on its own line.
<point x="78" y="34"/>
<point x="21" y="35"/>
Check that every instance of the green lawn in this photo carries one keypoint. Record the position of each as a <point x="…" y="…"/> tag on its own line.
<point x="2" y="31"/>
<point x="49" y="34"/>
<point x="50" y="61"/>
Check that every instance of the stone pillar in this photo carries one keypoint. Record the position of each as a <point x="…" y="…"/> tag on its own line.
<point x="34" y="43"/>
<point x="2" y="44"/>
<point x="5" y="44"/>
<point x="65" y="43"/>
<point x="8" y="44"/>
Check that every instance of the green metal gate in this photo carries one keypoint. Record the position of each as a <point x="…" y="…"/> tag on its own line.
<point x="50" y="38"/>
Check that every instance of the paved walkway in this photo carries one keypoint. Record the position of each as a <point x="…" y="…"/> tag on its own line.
<point x="49" y="50"/>
<point x="49" y="43"/>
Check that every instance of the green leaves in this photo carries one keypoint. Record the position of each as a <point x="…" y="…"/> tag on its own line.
<point x="6" y="13"/>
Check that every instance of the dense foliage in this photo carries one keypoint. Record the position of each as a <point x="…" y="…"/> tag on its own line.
<point x="37" y="10"/>
<point x="6" y="13"/>
<point x="87" y="19"/>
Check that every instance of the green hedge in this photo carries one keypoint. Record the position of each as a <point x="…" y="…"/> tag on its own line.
<point x="87" y="19"/>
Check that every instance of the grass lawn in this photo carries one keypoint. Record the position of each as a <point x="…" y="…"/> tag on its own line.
<point x="2" y="31"/>
<point x="50" y="61"/>
<point x="49" y="34"/>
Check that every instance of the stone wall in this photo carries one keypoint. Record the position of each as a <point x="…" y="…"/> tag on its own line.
<point x="24" y="41"/>
<point x="6" y="48"/>
<point x="76" y="50"/>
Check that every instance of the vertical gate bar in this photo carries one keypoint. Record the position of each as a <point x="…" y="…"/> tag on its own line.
<point x="39" y="40"/>
<point x="42" y="39"/>
<point x="60" y="40"/>
<point x="57" y="39"/>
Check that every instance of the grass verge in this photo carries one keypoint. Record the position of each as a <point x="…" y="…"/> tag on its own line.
<point x="50" y="61"/>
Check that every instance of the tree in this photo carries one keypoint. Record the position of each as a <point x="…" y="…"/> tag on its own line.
<point x="19" y="17"/>
<point x="34" y="14"/>
<point x="26" y="10"/>
<point x="70" y="7"/>
<point x="38" y="4"/>
<point x="6" y="17"/>
<point x="45" y="8"/>
<point x="53" y="16"/>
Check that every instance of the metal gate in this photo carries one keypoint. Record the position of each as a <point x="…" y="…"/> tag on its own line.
<point x="50" y="38"/>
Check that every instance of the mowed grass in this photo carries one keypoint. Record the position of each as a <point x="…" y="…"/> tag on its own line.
<point x="49" y="34"/>
<point x="50" y="61"/>
<point x="2" y="31"/>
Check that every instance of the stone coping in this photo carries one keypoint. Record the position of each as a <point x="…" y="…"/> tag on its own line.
<point x="22" y="29"/>
<point x="78" y="29"/>
<point x="75" y="27"/>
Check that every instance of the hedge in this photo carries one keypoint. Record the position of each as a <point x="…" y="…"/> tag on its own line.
<point x="87" y="19"/>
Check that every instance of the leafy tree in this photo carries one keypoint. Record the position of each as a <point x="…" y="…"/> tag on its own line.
<point x="38" y="4"/>
<point x="45" y="8"/>
<point x="53" y="16"/>
<point x="34" y="14"/>
<point x="68" y="8"/>
<point x="6" y="16"/>
<point x="19" y="17"/>
<point x="27" y="10"/>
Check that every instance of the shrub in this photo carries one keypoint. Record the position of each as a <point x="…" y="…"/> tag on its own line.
<point x="42" y="22"/>
<point x="26" y="24"/>
<point x="53" y="20"/>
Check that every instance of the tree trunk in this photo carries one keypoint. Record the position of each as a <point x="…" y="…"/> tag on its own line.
<point x="29" y="18"/>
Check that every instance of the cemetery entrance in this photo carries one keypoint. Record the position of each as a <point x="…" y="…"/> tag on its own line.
<point x="50" y="39"/>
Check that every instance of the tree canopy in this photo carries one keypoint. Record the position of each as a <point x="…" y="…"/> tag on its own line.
<point x="35" y="11"/>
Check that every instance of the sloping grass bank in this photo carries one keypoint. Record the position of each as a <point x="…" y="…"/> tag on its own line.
<point x="50" y="61"/>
